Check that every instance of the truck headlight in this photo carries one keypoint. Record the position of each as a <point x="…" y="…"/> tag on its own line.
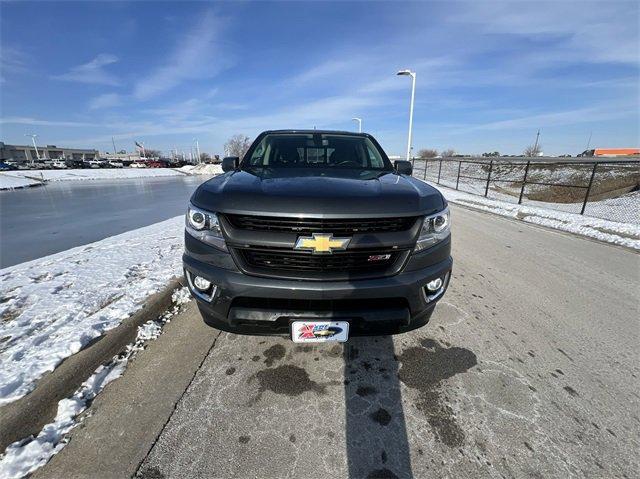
<point x="204" y="226"/>
<point x="434" y="229"/>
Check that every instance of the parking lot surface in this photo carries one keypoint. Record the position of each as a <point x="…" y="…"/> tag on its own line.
<point x="528" y="368"/>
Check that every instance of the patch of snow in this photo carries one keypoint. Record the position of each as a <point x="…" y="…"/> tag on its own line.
<point x="624" y="234"/>
<point x="506" y="181"/>
<point x="53" y="306"/>
<point x="21" y="178"/>
<point x="202" y="169"/>
<point x="10" y="181"/>
<point x="25" y="456"/>
<point x="94" y="173"/>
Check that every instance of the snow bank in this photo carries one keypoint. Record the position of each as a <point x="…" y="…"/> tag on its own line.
<point x="202" y="169"/>
<point x="10" y="181"/>
<point x="23" y="457"/>
<point x="94" y="173"/>
<point x="55" y="305"/>
<point x="624" y="234"/>
<point x="21" y="178"/>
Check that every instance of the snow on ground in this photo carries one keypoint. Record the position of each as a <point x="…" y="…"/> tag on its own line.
<point x="506" y="184"/>
<point x="22" y="178"/>
<point x="202" y="169"/>
<point x="53" y="306"/>
<point x="624" y="234"/>
<point x="10" y="182"/>
<point x="23" y="457"/>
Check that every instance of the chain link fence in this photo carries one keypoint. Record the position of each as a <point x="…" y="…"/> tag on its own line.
<point x="602" y="189"/>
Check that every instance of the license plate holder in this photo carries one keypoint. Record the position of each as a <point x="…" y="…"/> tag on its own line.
<point x="319" y="331"/>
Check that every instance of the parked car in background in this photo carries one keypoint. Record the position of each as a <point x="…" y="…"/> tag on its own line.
<point x="138" y="164"/>
<point x="6" y="166"/>
<point x="115" y="164"/>
<point x="91" y="163"/>
<point x="71" y="163"/>
<point x="58" y="165"/>
<point x="155" y="164"/>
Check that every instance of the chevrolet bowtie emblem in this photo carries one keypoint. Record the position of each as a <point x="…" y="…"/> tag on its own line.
<point x="321" y="243"/>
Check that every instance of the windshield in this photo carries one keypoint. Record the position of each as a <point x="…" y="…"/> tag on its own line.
<point x="316" y="150"/>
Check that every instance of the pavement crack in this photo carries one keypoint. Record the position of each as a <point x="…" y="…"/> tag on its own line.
<point x="175" y="406"/>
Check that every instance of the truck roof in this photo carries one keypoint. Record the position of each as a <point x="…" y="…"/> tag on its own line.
<point x="322" y="132"/>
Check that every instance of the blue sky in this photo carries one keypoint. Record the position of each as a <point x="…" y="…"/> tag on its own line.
<point x="489" y="74"/>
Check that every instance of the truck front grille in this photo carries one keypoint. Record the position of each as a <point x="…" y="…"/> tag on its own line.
<point x="315" y="225"/>
<point x="370" y="262"/>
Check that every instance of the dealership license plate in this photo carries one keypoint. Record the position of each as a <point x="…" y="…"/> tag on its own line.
<point x="319" y="331"/>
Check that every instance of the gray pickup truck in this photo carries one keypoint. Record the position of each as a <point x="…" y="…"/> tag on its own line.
<point x="318" y="236"/>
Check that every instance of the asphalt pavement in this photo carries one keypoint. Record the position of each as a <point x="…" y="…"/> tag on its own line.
<point x="528" y="368"/>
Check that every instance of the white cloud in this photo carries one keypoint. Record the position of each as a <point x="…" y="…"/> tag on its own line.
<point x="197" y="56"/>
<point x="19" y="120"/>
<point x="570" y="31"/>
<point x="106" y="100"/>
<point x="590" y="114"/>
<point x="11" y="60"/>
<point x="92" y="72"/>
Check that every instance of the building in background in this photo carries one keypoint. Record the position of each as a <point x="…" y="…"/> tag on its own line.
<point x="27" y="153"/>
<point x="124" y="157"/>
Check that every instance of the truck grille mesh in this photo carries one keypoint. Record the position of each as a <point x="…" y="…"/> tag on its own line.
<point x="321" y="225"/>
<point x="305" y="261"/>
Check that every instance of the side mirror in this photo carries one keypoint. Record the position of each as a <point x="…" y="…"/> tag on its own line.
<point x="230" y="163"/>
<point x="403" y="167"/>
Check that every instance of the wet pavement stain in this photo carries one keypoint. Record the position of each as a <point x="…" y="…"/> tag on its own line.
<point x="288" y="380"/>
<point x="381" y="474"/>
<point x="274" y="353"/>
<point x="424" y="369"/>
<point x="571" y="391"/>
<point x="363" y="391"/>
<point x="381" y="416"/>
<point x="244" y="439"/>
<point x="150" y="473"/>
<point x="230" y="371"/>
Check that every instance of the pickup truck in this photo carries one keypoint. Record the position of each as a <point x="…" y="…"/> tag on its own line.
<point x="316" y="235"/>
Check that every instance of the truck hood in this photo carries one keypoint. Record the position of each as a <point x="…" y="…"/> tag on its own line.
<point x="318" y="193"/>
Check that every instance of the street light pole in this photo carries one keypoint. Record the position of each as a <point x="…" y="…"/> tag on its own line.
<point x="359" y="120"/>
<point x="33" y="139"/>
<point x="197" y="148"/>
<point x="413" y="93"/>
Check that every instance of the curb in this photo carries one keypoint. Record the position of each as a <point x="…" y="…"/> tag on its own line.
<point x="28" y="415"/>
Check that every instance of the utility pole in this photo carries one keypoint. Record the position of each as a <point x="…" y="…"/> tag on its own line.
<point x="197" y="149"/>
<point x="114" y="146"/>
<point x="535" y="147"/>
<point x="589" y="142"/>
<point x="33" y="139"/>
<point x="359" y="120"/>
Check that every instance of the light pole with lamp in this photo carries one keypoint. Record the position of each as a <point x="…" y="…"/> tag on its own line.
<point x="33" y="139"/>
<point x="197" y="149"/>
<point x="359" y="120"/>
<point x="413" y="93"/>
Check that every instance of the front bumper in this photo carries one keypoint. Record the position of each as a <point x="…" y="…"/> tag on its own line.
<point x="256" y="305"/>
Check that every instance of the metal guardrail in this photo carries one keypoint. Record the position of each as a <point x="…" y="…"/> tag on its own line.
<point x="592" y="188"/>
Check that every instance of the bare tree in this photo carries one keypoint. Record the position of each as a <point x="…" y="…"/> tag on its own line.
<point x="533" y="150"/>
<point x="237" y="145"/>
<point x="448" y="153"/>
<point x="205" y="157"/>
<point x="427" y="153"/>
<point x="149" y="153"/>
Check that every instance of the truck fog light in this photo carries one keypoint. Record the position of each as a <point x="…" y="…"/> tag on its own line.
<point x="434" y="285"/>
<point x="203" y="284"/>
